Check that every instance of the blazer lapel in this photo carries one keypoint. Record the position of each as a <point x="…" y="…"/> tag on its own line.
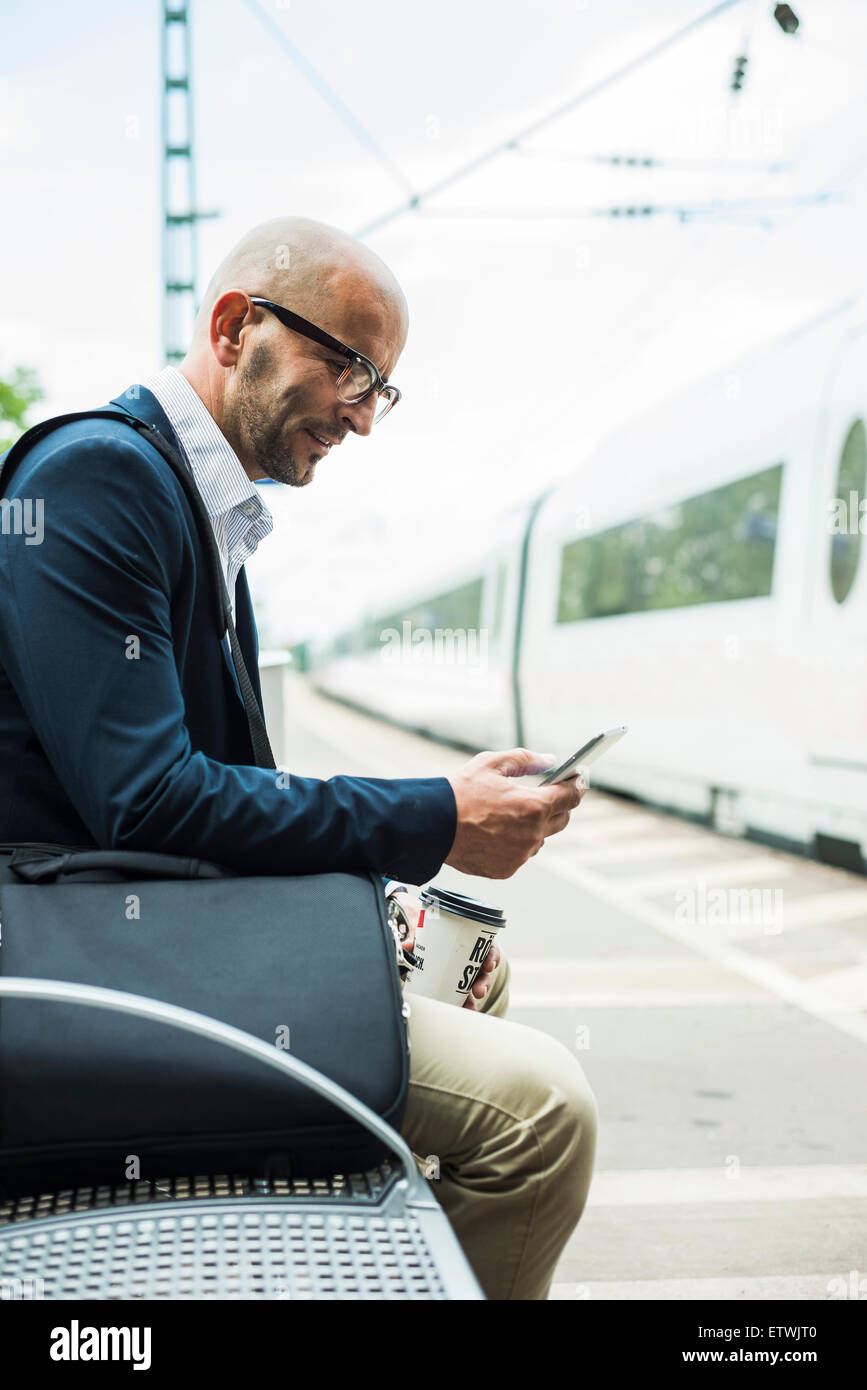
<point x="143" y="404"/>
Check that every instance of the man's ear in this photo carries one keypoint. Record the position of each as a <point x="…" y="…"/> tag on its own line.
<point x="231" y="314"/>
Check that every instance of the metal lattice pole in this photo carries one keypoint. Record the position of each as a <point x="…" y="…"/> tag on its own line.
<point x="180" y="214"/>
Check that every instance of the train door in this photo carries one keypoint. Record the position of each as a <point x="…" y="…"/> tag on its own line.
<point x="837" y="628"/>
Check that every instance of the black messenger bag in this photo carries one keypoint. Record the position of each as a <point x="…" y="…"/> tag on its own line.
<point x="306" y="963"/>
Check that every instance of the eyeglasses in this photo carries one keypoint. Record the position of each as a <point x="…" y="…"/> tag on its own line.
<point x="360" y="376"/>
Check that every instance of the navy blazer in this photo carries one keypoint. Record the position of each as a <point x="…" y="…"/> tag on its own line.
<point x="123" y="745"/>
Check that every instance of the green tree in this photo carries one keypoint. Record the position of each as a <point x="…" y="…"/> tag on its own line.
<point x="17" y="395"/>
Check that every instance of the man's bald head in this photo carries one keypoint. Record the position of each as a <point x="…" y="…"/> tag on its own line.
<point x="273" y="391"/>
<point x="307" y="266"/>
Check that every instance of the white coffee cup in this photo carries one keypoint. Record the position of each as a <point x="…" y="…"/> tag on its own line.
<point x="452" y="940"/>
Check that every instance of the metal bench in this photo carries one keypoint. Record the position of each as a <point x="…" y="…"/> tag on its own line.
<point x="374" y="1235"/>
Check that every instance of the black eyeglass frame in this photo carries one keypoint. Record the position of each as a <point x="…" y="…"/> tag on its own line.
<point x="290" y="319"/>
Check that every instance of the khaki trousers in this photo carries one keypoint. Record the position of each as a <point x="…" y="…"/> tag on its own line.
<point x="502" y="1122"/>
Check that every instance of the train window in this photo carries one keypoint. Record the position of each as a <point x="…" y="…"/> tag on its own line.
<point x="713" y="548"/>
<point x="459" y="608"/>
<point x="846" y="512"/>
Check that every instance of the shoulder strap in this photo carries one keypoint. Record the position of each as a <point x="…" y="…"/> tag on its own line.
<point x="262" y="753"/>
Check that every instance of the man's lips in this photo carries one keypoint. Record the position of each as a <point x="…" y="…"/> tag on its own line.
<point x="322" y="440"/>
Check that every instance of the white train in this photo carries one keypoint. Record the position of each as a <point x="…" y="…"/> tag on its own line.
<point x="699" y="578"/>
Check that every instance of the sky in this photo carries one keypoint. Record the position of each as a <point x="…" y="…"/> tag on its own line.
<point x="538" y="327"/>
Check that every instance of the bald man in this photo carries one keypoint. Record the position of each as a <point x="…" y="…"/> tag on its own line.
<point x="299" y="332"/>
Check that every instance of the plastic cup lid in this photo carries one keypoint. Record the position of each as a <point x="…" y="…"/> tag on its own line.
<point x="460" y="905"/>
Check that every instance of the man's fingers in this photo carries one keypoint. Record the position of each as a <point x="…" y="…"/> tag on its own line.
<point x="563" y="797"/>
<point x="483" y="979"/>
<point x="519" y="762"/>
<point x="559" y="821"/>
<point x="482" y="982"/>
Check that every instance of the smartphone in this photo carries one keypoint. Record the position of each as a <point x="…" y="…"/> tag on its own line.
<point x="588" y="754"/>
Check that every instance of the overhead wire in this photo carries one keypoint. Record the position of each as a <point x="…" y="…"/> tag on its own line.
<point x="737" y="209"/>
<point x="557" y="113"/>
<point x="699" y="251"/>
<point x="638" y="161"/>
<point x="715" y="209"/>
<point x="638" y="342"/>
<point x="661" y="292"/>
<point x="329" y="96"/>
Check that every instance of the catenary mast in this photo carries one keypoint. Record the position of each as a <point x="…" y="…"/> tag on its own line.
<point x="179" y="211"/>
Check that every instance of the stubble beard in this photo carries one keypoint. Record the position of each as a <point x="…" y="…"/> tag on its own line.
<point x="263" y="438"/>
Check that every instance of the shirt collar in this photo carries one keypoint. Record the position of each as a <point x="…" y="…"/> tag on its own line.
<point x="218" y="471"/>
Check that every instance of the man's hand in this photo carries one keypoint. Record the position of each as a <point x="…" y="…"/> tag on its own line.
<point x="502" y="824"/>
<point x="411" y="911"/>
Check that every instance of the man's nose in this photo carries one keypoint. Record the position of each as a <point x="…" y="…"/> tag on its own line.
<point x="359" y="415"/>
